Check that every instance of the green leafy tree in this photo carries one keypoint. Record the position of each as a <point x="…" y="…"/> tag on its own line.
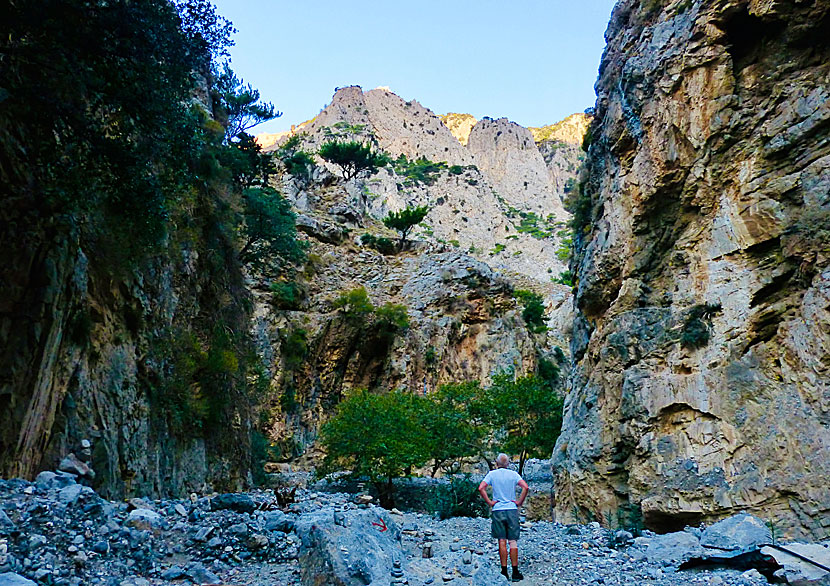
<point x="379" y="437"/>
<point x="527" y="412"/>
<point x="241" y="104"/>
<point x="404" y="220"/>
<point x="353" y="157"/>
<point x="269" y="231"/>
<point x="206" y="30"/>
<point x="297" y="161"/>
<point x="451" y="429"/>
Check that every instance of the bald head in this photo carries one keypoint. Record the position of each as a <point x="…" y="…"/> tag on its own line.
<point x="502" y="461"/>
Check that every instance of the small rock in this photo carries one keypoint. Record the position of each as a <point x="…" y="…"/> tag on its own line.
<point x="752" y="576"/>
<point x="179" y="508"/>
<point x="45" y="480"/>
<point x="136" y="503"/>
<point x="467" y="557"/>
<point x="363" y="499"/>
<point x="37" y="541"/>
<point x="145" y="519"/>
<point x="257" y="542"/>
<point x="69" y="494"/>
<point x="238" y="530"/>
<point x="200" y="575"/>
<point x="173" y="573"/>
<point x="204" y="534"/>
<point x="101" y="547"/>
<point x="215" y="542"/>
<point x="72" y="464"/>
<point x="278" y="521"/>
<point x="6" y="524"/>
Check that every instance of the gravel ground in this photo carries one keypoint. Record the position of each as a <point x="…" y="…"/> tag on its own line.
<point x="58" y="533"/>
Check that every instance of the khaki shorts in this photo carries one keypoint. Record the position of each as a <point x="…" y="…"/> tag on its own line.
<point x="505" y="524"/>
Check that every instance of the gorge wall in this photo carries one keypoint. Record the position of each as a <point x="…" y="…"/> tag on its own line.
<point x="701" y="345"/>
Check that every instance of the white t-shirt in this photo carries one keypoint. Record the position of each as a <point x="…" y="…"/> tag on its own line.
<point x="503" y="481"/>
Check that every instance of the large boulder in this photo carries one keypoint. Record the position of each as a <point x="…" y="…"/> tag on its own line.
<point x="673" y="548"/>
<point x="799" y="572"/>
<point x="740" y="532"/>
<point x="240" y="503"/>
<point x="349" y="548"/>
<point x="12" y="579"/>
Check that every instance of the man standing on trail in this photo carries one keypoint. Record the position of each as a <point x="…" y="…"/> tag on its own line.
<point x="505" y="514"/>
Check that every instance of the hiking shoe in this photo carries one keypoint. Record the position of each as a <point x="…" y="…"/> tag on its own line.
<point x="504" y="573"/>
<point x="517" y="576"/>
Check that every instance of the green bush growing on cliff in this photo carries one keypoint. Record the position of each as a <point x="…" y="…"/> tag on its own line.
<point x="391" y="318"/>
<point x="418" y="171"/>
<point x="294" y="348"/>
<point x="534" y="310"/>
<point x="298" y="162"/>
<point x="287" y="294"/>
<point x="353" y="157"/>
<point x="404" y="220"/>
<point x="380" y="243"/>
<point x="354" y="304"/>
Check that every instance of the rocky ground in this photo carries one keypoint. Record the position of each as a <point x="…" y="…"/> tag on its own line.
<point x="58" y="532"/>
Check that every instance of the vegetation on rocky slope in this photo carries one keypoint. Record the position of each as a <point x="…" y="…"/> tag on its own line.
<point x="132" y="197"/>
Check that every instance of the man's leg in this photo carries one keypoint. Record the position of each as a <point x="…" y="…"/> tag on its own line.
<point x="514" y="553"/>
<point x="503" y="554"/>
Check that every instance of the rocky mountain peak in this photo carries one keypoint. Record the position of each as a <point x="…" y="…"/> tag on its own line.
<point x="460" y="125"/>
<point x="570" y="131"/>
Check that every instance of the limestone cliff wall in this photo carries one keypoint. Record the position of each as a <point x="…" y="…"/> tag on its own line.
<point x="90" y="352"/>
<point x="701" y="344"/>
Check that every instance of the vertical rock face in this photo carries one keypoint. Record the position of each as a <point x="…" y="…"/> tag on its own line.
<point x="702" y="353"/>
<point x="86" y="356"/>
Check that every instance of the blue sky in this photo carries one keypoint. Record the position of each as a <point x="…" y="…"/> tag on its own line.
<point x="533" y="61"/>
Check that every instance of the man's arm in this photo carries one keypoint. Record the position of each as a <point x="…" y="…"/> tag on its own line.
<point x="482" y="490"/>
<point x="525" y="489"/>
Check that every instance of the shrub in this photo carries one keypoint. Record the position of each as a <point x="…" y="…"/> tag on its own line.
<point x="354" y="304"/>
<point x="548" y="372"/>
<point x="456" y="170"/>
<point x="457" y="498"/>
<point x="391" y="318"/>
<point x="269" y="231"/>
<point x="565" y="278"/>
<point x="353" y="157"/>
<point x="287" y="294"/>
<point x="695" y="333"/>
<point x="380" y="243"/>
<point x="417" y="171"/>
<point x="295" y="349"/>
<point x="534" y="310"/>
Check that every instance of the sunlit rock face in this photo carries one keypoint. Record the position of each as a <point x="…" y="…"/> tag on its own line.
<point x="701" y="384"/>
